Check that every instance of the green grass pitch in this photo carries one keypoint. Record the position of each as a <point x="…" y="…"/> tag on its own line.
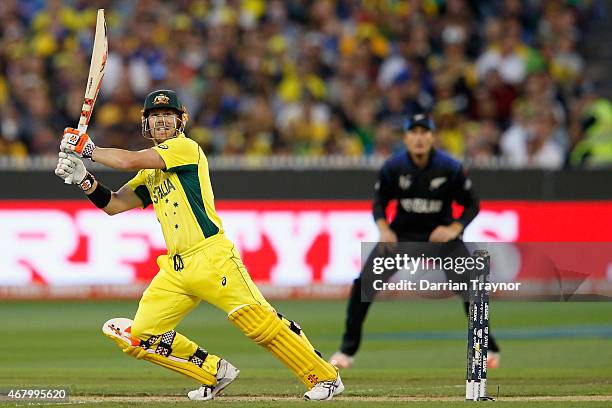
<point x="553" y="354"/>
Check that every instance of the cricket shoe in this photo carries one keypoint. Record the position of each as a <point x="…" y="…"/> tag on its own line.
<point x="226" y="374"/>
<point x="493" y="358"/>
<point x="325" y="390"/>
<point x="341" y="360"/>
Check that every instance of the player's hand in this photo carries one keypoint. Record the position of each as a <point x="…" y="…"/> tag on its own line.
<point x="68" y="166"/>
<point x="387" y="241"/>
<point x="387" y="235"/>
<point x="77" y="142"/>
<point x="445" y="233"/>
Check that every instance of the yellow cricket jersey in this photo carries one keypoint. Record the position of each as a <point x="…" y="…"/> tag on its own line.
<point x="181" y="194"/>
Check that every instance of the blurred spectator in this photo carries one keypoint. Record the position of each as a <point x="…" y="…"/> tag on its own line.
<point x="502" y="94"/>
<point x="532" y="142"/>
<point x="513" y="140"/>
<point x="304" y="126"/>
<point x="310" y="78"/>
<point x="482" y="141"/>
<point x="566" y="64"/>
<point x="340" y="141"/>
<point x="448" y="128"/>
<point x="365" y="124"/>
<point x="507" y="57"/>
<point x="9" y="130"/>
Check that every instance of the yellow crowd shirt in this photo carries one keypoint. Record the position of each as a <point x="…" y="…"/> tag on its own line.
<point x="181" y="194"/>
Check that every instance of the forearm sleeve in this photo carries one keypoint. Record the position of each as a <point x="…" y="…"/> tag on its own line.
<point x="466" y="197"/>
<point x="382" y="196"/>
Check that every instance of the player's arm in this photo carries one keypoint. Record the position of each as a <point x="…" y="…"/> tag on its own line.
<point x="463" y="194"/>
<point x="466" y="197"/>
<point x="120" y="159"/>
<point x="122" y="200"/>
<point x="382" y="197"/>
<point x="69" y="166"/>
<point x="76" y="142"/>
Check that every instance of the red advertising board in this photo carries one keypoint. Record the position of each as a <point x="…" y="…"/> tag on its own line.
<point x="61" y="244"/>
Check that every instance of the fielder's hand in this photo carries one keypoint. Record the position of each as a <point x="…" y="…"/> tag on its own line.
<point x="444" y="233"/>
<point x="387" y="242"/>
<point x="77" y="142"/>
<point x="70" y="166"/>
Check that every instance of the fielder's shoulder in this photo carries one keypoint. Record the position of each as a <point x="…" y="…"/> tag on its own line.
<point x="443" y="159"/>
<point x="396" y="160"/>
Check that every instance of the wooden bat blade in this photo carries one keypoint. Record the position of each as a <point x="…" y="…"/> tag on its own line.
<point x="96" y="71"/>
<point x="97" y="66"/>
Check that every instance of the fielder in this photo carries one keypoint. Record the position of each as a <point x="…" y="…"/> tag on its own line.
<point x="425" y="181"/>
<point x="201" y="264"/>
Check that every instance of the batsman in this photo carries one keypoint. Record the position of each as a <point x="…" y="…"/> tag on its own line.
<point x="201" y="263"/>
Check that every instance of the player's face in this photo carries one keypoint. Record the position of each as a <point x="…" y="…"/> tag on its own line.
<point x="419" y="140"/>
<point x="164" y="124"/>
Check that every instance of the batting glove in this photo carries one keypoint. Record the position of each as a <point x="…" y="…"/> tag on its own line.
<point x="68" y="166"/>
<point x="77" y="142"/>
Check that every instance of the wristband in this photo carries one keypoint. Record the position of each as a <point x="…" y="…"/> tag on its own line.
<point x="87" y="182"/>
<point x="101" y="196"/>
<point x="88" y="150"/>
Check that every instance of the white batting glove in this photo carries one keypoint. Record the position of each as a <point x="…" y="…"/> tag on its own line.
<point x="70" y="166"/>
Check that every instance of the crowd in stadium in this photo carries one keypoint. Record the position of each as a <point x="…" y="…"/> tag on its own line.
<point x="504" y="80"/>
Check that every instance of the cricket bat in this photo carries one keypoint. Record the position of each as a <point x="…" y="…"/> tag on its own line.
<point x="96" y="73"/>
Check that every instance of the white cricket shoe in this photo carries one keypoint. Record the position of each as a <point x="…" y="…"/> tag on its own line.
<point x="204" y="393"/>
<point x="325" y="390"/>
<point x="226" y="374"/>
<point x="341" y="360"/>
